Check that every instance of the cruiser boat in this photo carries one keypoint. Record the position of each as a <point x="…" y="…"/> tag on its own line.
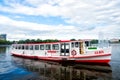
<point x="62" y="51"/>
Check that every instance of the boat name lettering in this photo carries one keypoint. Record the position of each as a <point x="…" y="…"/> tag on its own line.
<point x="99" y="52"/>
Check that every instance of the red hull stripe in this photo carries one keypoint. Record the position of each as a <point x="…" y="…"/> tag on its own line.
<point x="94" y="61"/>
<point x="81" y="56"/>
<point x="77" y="61"/>
<point x="24" y="56"/>
<point x="90" y="56"/>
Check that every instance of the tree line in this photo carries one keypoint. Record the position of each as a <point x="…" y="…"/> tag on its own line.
<point x="6" y="42"/>
<point x="37" y="40"/>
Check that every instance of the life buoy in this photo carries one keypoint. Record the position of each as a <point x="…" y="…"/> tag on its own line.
<point x="73" y="52"/>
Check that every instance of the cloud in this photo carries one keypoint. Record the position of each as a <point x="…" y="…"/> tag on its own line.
<point x="22" y="29"/>
<point x="85" y="17"/>
<point x="17" y="30"/>
<point x="32" y="26"/>
<point x="74" y="11"/>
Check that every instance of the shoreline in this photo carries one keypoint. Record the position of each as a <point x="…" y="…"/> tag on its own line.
<point x="4" y="45"/>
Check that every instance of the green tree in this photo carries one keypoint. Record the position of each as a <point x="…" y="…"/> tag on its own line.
<point x="94" y="41"/>
<point x="39" y="40"/>
<point x="35" y="41"/>
<point x="5" y="42"/>
<point x="72" y="39"/>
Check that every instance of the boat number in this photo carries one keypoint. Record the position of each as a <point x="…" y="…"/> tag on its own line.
<point x="99" y="52"/>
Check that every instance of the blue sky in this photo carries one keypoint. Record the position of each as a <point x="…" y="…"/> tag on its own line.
<point x="59" y="19"/>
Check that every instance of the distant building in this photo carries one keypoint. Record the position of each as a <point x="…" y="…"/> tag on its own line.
<point x="3" y="36"/>
<point x="114" y="40"/>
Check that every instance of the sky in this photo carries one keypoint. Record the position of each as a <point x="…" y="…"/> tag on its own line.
<point x="59" y="19"/>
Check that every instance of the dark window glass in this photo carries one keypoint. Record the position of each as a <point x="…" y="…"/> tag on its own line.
<point x="36" y="47"/>
<point x="76" y="44"/>
<point x="23" y="47"/>
<point x="19" y="47"/>
<point x="72" y="44"/>
<point x="48" y="47"/>
<point x="15" y="47"/>
<point x="41" y="47"/>
<point x="27" y="47"/>
<point x="55" y="47"/>
<point x="31" y="47"/>
<point x="87" y="43"/>
<point x="67" y="47"/>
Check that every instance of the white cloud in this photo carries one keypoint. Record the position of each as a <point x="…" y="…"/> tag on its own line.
<point x="32" y="26"/>
<point x="24" y="30"/>
<point x="75" y="11"/>
<point x="87" y="17"/>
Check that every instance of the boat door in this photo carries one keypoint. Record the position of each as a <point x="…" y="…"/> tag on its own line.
<point x="65" y="49"/>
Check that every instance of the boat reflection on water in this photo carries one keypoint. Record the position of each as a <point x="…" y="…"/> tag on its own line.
<point x="56" y="71"/>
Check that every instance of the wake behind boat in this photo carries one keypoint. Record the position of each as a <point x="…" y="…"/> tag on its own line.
<point x="62" y="51"/>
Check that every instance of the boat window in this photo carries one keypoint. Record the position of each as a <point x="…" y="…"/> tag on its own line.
<point x="41" y="47"/>
<point x="31" y="47"/>
<point x="19" y="47"/>
<point x="27" y="47"/>
<point x="36" y="47"/>
<point x="16" y="47"/>
<point x="62" y="46"/>
<point x="23" y="47"/>
<point x="67" y="46"/>
<point x="55" y="47"/>
<point x="87" y="43"/>
<point x="76" y="44"/>
<point x="48" y="47"/>
<point x="72" y="44"/>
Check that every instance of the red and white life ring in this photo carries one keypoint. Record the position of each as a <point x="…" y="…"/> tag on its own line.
<point x="73" y="52"/>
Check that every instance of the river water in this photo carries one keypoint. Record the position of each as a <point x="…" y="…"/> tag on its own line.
<point x="14" y="68"/>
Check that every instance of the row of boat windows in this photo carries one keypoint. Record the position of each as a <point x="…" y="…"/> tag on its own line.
<point x="37" y="47"/>
<point x="44" y="47"/>
<point x="75" y="44"/>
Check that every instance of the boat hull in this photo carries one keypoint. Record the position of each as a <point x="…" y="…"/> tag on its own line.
<point x="91" y="59"/>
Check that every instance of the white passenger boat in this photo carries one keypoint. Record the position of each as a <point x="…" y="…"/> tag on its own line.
<point x="73" y="51"/>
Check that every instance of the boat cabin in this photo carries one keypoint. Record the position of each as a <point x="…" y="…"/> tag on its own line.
<point x="62" y="48"/>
